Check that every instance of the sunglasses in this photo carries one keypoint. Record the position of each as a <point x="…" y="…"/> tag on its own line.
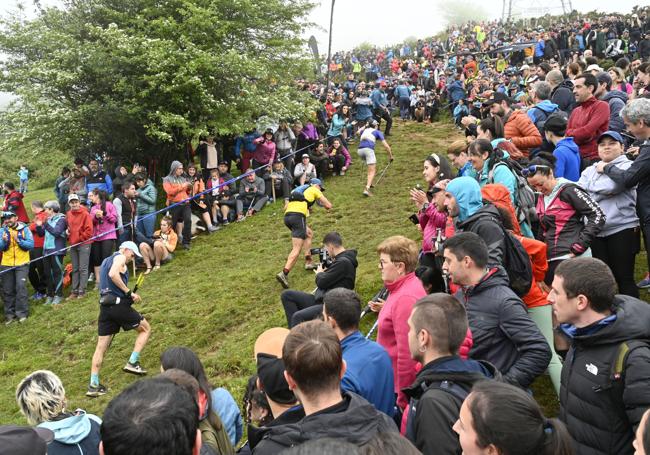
<point x="532" y="169"/>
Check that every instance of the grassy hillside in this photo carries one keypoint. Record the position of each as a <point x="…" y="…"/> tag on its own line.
<point x="44" y="166"/>
<point x="217" y="298"/>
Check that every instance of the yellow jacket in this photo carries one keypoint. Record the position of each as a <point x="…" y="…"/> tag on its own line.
<point x="15" y="244"/>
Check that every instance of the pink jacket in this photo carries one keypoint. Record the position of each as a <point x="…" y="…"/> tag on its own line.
<point x="106" y="229"/>
<point x="430" y="220"/>
<point x="393" y="330"/>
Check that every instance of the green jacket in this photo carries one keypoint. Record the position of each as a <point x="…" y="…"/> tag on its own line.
<point x="147" y="198"/>
<point x="216" y="438"/>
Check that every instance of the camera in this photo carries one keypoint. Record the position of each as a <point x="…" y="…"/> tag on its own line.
<point x="439" y="242"/>
<point x="323" y="258"/>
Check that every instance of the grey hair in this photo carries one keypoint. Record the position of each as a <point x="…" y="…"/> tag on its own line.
<point x="637" y="109"/>
<point x="542" y="90"/>
<point x="54" y="205"/>
<point x="554" y="77"/>
<point x="40" y="397"/>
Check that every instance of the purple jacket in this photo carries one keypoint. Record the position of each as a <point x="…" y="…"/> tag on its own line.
<point x="106" y="230"/>
<point x="310" y="131"/>
<point x="430" y="220"/>
<point x="343" y="151"/>
<point x="265" y="150"/>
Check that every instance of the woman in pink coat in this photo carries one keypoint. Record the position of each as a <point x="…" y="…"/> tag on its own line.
<point x="398" y="259"/>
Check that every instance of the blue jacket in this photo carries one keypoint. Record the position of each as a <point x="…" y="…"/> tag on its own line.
<point x="567" y="154"/>
<point x="225" y="406"/>
<point x="378" y="98"/>
<point x="539" y="48"/>
<point x="467" y="171"/>
<point x="100" y="180"/>
<point x="456" y="91"/>
<point x="54" y="232"/>
<point x="369" y="372"/>
<point x="402" y="91"/>
<point x="467" y="193"/>
<point x="74" y="435"/>
<point x="547" y="106"/>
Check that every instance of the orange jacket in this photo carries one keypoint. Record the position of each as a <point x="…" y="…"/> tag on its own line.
<point x="521" y="130"/>
<point x="176" y="192"/>
<point x="537" y="252"/>
<point x="499" y="195"/>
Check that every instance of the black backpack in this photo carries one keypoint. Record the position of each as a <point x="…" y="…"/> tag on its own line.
<point x="517" y="264"/>
<point x="525" y="209"/>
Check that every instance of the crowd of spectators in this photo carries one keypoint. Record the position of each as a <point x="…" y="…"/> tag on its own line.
<point x="531" y="227"/>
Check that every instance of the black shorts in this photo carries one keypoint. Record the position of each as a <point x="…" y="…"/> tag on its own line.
<point x="297" y="223"/>
<point x="114" y="317"/>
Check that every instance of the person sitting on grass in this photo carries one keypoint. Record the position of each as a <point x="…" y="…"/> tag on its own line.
<point x="162" y="246"/>
<point x="252" y="195"/>
<point x="339" y="157"/>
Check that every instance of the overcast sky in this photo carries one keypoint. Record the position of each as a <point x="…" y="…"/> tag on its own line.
<point x="384" y="22"/>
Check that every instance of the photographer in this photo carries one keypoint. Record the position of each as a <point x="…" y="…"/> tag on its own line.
<point x="338" y="269"/>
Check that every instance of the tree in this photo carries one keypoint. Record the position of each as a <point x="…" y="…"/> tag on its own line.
<point x="457" y="13"/>
<point x="136" y="79"/>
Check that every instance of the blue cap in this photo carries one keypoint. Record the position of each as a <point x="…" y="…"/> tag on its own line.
<point x="613" y="134"/>
<point x="317" y="182"/>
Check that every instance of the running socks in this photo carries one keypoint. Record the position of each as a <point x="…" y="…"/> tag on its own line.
<point x="94" y="380"/>
<point x="135" y="357"/>
<point x="285" y="271"/>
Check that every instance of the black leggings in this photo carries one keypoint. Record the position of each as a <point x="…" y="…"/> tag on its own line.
<point x="183" y="213"/>
<point x="619" y="251"/>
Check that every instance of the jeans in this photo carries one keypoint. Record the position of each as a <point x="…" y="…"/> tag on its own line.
<point x="14" y="290"/>
<point x="146" y="224"/>
<point x="618" y="251"/>
<point x="23" y="186"/>
<point x="404" y="105"/>
<point x="80" y="256"/>
<point x="54" y="274"/>
<point x="36" y="271"/>
<point x="299" y="307"/>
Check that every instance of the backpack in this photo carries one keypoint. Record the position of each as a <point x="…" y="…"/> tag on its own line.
<point x="298" y="193"/>
<point x="517" y="264"/>
<point x="526" y="200"/>
<point x="617" y="372"/>
<point x="539" y="124"/>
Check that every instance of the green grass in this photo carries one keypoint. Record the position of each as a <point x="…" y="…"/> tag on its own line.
<point x="217" y="298"/>
<point x="44" y="166"/>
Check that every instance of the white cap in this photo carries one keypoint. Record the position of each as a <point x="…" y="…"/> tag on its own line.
<point x="594" y="67"/>
<point x="128" y="245"/>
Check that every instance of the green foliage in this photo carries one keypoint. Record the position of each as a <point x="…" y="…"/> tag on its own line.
<point x="141" y="78"/>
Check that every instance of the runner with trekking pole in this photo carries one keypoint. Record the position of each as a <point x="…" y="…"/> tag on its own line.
<point x="369" y="136"/>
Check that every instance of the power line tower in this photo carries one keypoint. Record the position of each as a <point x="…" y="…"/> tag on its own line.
<point x="520" y="9"/>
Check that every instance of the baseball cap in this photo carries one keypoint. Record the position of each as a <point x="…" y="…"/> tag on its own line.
<point x="497" y="98"/>
<point x="524" y="67"/>
<point x="604" y="78"/>
<point x="317" y="182"/>
<point x="382" y="84"/>
<point x="7" y="214"/>
<point x="225" y="163"/>
<point x="613" y="134"/>
<point x="305" y="155"/>
<point x="593" y="67"/>
<point x="15" y="440"/>
<point x="555" y="123"/>
<point x="128" y="245"/>
<point x="73" y="197"/>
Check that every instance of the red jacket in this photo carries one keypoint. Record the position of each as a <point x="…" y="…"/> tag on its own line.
<point x="38" y="239"/>
<point x="14" y="203"/>
<point x="587" y="122"/>
<point x="80" y="225"/>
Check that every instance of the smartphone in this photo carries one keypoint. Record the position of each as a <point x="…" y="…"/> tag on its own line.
<point x="414" y="219"/>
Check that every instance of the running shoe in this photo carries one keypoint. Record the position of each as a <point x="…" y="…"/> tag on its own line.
<point x="644" y="283"/>
<point x="134" y="368"/>
<point x="310" y="265"/>
<point x="95" y="391"/>
<point x="283" y="280"/>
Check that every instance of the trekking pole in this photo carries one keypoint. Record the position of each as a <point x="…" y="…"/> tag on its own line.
<point x="382" y="173"/>
<point x="372" y="329"/>
<point x="273" y="186"/>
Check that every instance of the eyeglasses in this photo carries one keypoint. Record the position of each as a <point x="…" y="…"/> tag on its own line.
<point x="532" y="169"/>
<point x="382" y="263"/>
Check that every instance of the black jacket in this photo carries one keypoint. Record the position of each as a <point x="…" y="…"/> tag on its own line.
<point x="341" y="274"/>
<point x="563" y="96"/>
<point x="433" y="410"/>
<point x="358" y="423"/>
<point x="601" y="418"/>
<point x="255" y="434"/>
<point x="503" y="332"/>
<point x="487" y="224"/>
<point x="637" y="174"/>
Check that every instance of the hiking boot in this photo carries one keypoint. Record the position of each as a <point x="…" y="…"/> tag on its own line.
<point x="283" y="280"/>
<point x="644" y="283"/>
<point x="134" y="368"/>
<point x="186" y="246"/>
<point x="95" y="391"/>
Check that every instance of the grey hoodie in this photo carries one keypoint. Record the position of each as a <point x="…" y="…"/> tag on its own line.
<point x="618" y="202"/>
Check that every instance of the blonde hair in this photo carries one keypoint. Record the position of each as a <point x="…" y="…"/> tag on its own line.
<point x="400" y="249"/>
<point x="40" y="397"/>
<point x="457" y="147"/>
